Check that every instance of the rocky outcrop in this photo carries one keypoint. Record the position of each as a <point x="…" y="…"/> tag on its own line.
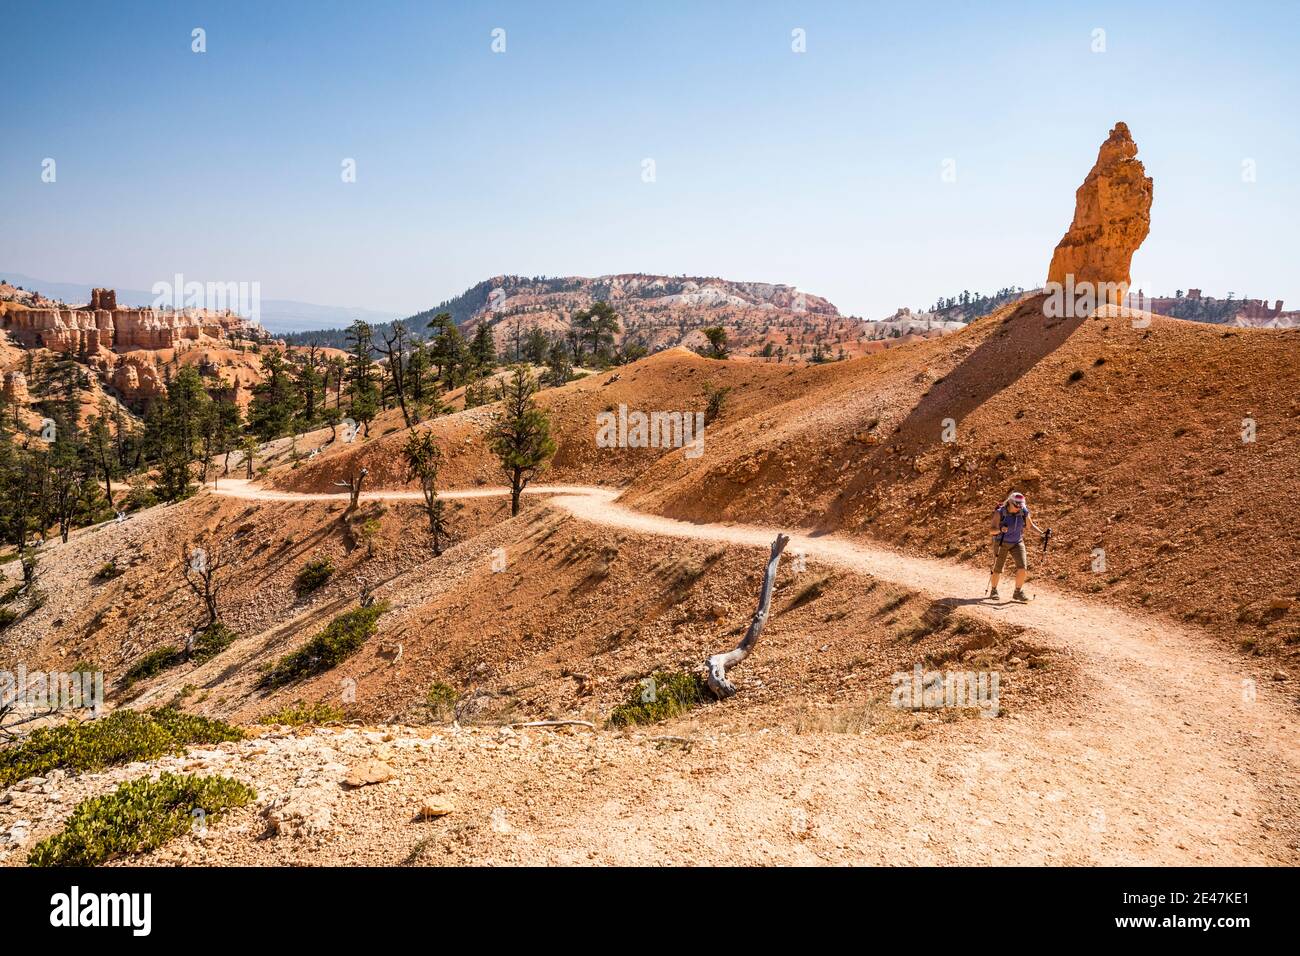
<point x="125" y="346"/>
<point x="60" y="329"/>
<point x="103" y="299"/>
<point x="15" y="388"/>
<point x="1112" y="216"/>
<point x="137" y="380"/>
<point x="84" y="330"/>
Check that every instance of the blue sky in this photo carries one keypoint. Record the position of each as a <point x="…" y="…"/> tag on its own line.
<point x="820" y="169"/>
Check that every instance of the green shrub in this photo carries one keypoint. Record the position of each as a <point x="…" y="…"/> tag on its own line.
<point x="140" y="496"/>
<point x="208" y="643"/>
<point x="341" y="638"/>
<point x="298" y="714"/>
<point x="108" y="571"/>
<point x="7" y="616"/>
<point x="155" y="662"/>
<point x="670" y="694"/>
<point x="441" y="699"/>
<point x="122" y="737"/>
<point x="137" y="817"/>
<point x="192" y="729"/>
<point x="211" y="641"/>
<point x="717" y="400"/>
<point x="313" y="576"/>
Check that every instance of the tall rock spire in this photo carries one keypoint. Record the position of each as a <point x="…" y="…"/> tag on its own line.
<point x="1112" y="215"/>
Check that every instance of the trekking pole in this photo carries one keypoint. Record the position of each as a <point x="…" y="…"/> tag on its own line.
<point x="988" y="588"/>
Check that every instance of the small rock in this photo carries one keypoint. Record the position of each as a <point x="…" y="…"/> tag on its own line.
<point x="368" y="772"/>
<point x="435" y="807"/>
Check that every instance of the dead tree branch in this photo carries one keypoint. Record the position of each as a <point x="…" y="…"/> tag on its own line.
<point x="718" y="663"/>
<point x="199" y="566"/>
<point x="353" y="485"/>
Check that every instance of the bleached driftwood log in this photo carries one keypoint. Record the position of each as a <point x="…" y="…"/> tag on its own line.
<point x="718" y="663"/>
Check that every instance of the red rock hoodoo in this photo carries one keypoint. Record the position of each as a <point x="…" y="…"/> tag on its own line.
<point x="1112" y="216"/>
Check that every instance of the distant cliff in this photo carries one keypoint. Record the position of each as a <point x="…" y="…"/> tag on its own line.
<point x="101" y="324"/>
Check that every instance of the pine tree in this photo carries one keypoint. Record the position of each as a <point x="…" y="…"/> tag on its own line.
<point x="275" y="405"/>
<point x="102" y="448"/>
<point x="483" y="349"/>
<point x="558" y="367"/>
<point x="448" y="349"/>
<point x="536" y="347"/>
<point x="363" y="392"/>
<point x="309" y="385"/>
<point x="423" y="458"/>
<point x="396" y="344"/>
<point x="174" y="423"/>
<point x="597" y="326"/>
<point x="521" y="433"/>
<point x="717" y="337"/>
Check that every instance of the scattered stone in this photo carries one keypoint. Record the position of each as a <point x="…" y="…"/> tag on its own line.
<point x="367" y="772"/>
<point x="435" y="807"/>
<point x="300" y="813"/>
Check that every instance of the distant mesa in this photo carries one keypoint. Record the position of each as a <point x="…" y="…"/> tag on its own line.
<point x="503" y="295"/>
<point x="1112" y="216"/>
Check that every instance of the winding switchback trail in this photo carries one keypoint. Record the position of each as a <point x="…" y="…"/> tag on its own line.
<point x="1172" y="754"/>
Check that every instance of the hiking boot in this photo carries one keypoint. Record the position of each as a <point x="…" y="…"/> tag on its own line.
<point x="1020" y="595"/>
<point x="993" y="595"/>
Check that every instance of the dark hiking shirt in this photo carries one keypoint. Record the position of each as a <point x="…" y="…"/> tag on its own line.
<point x="1014" y="523"/>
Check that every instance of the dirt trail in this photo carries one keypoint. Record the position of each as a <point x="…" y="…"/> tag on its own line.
<point x="1174" y="753"/>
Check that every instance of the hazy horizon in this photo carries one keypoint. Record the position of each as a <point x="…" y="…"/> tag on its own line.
<point x="822" y="169"/>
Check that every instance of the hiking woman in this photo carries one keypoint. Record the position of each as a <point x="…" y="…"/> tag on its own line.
<point x="1009" y="522"/>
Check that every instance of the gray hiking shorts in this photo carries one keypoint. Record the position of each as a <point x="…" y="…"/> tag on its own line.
<point x="1017" y="552"/>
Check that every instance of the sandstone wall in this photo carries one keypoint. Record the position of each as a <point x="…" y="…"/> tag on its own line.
<point x="86" y="330"/>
